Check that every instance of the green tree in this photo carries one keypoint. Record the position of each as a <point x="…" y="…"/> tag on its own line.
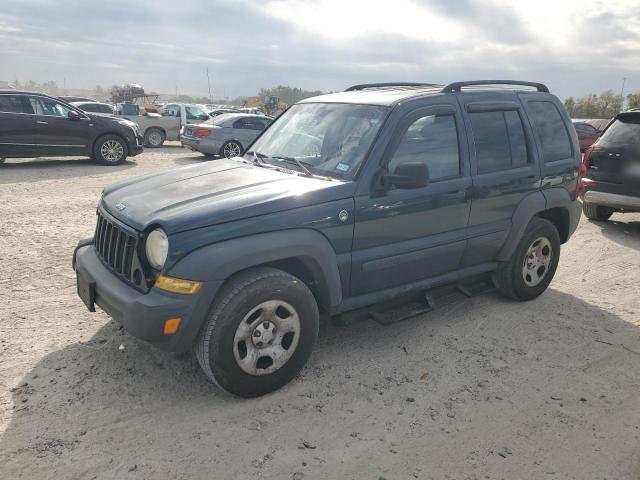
<point x="605" y="105"/>
<point x="633" y="100"/>
<point x="570" y="105"/>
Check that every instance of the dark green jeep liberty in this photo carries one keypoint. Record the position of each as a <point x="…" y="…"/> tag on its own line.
<point x="346" y="200"/>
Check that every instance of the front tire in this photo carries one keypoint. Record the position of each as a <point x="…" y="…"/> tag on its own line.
<point x="231" y="149"/>
<point x="596" y="212"/>
<point x="110" y="150"/>
<point x="154" y="138"/>
<point x="260" y="332"/>
<point x="533" y="263"/>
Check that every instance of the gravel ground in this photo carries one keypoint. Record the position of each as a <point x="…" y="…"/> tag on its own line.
<point x="481" y="388"/>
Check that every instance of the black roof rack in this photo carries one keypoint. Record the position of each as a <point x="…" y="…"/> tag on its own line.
<point x="457" y="86"/>
<point x="390" y="85"/>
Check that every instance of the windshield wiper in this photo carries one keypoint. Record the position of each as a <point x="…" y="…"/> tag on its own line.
<point x="259" y="160"/>
<point x="306" y="171"/>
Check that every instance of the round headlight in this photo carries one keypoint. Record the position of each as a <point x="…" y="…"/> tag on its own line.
<point x="157" y="248"/>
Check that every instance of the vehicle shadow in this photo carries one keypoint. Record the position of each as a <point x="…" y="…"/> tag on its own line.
<point x="621" y="232"/>
<point x="42" y="169"/>
<point x="113" y="405"/>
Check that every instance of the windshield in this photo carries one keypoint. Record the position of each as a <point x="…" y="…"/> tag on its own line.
<point x="194" y="113"/>
<point x="330" y="139"/>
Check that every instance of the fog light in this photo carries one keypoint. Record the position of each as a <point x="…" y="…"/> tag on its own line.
<point x="171" y="326"/>
<point x="177" y="285"/>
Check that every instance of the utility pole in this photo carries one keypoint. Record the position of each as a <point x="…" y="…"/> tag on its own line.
<point x="624" y="80"/>
<point x="209" y="84"/>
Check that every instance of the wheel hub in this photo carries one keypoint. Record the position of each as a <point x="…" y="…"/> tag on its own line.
<point x="267" y="337"/>
<point x="263" y="334"/>
<point x="537" y="261"/>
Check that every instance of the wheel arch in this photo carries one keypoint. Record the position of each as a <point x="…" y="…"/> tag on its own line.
<point x="552" y="204"/>
<point x="156" y="127"/>
<point x="304" y="253"/>
<point x="221" y="151"/>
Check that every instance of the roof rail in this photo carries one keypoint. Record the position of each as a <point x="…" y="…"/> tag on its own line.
<point x="457" y="86"/>
<point x="391" y="84"/>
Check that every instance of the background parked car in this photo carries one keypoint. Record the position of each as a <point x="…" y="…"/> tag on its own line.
<point x="166" y="125"/>
<point x="609" y="177"/>
<point x="95" y="107"/>
<point x="220" y="111"/>
<point x="587" y="134"/>
<point x="226" y="135"/>
<point x="37" y="125"/>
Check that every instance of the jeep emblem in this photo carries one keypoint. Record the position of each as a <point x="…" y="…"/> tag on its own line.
<point x="343" y="215"/>
<point x="120" y="206"/>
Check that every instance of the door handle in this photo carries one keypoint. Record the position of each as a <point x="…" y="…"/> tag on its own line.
<point x="40" y="122"/>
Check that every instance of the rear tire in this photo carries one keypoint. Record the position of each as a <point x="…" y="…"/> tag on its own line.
<point x="259" y="333"/>
<point x="533" y="263"/>
<point x="110" y="150"/>
<point x="231" y="149"/>
<point x="154" y="138"/>
<point x="596" y="212"/>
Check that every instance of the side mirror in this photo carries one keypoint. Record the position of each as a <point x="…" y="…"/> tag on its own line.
<point x="408" y="175"/>
<point x="73" y="115"/>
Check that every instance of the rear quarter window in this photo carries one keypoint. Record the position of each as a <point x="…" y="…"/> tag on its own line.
<point x="550" y="130"/>
<point x="625" y="129"/>
<point x="11" y="104"/>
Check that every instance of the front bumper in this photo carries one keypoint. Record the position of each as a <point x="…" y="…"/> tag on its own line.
<point x="613" y="200"/>
<point x="143" y="314"/>
<point x="136" y="146"/>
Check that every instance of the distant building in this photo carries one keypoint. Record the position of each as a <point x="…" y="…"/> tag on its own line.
<point x="4" y="84"/>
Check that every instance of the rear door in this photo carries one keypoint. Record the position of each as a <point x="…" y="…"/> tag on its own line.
<point x="614" y="162"/>
<point x="57" y="134"/>
<point x="504" y="169"/>
<point x="17" y="126"/>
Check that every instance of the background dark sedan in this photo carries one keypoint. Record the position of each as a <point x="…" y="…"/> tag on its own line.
<point x="589" y="130"/>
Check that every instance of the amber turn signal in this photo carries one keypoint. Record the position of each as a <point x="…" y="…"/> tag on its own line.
<point x="171" y="326"/>
<point x="178" y="285"/>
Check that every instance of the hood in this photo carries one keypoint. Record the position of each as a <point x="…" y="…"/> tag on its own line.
<point x="214" y="192"/>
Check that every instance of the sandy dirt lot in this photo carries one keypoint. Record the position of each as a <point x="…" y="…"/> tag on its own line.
<point x="481" y="388"/>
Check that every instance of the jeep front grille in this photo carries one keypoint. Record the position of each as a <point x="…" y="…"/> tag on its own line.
<point x="117" y="247"/>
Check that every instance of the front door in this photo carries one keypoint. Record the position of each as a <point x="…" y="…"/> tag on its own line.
<point x="57" y="133"/>
<point x="405" y="235"/>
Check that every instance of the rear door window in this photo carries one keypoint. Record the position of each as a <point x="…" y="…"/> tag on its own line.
<point x="12" y="104"/>
<point x="499" y="139"/>
<point x="551" y="131"/>
<point x="624" y="130"/>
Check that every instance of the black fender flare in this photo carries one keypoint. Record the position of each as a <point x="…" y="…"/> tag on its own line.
<point x="528" y="207"/>
<point x="220" y="260"/>
<point x="559" y="197"/>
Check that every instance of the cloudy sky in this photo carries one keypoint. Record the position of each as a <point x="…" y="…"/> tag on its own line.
<point x="575" y="47"/>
